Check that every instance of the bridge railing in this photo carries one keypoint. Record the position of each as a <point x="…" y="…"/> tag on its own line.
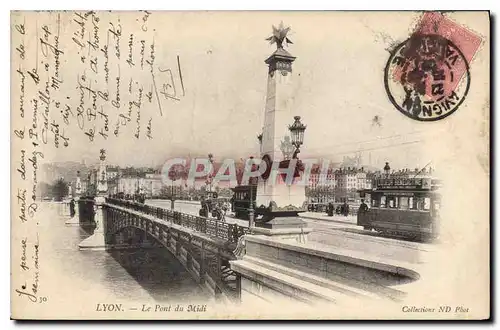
<point x="86" y="209"/>
<point x="210" y="227"/>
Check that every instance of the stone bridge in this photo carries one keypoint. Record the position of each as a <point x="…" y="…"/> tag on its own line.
<point x="233" y="264"/>
<point x="203" y="246"/>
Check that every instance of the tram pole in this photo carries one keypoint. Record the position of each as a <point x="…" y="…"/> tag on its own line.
<point x="172" y="198"/>
<point x="251" y="211"/>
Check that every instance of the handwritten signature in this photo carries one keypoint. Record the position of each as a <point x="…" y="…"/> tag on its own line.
<point x="32" y="292"/>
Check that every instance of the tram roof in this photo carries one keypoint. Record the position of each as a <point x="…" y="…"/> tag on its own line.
<point x="400" y="191"/>
<point x="243" y="188"/>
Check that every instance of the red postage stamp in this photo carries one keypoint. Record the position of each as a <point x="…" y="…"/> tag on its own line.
<point x="427" y="76"/>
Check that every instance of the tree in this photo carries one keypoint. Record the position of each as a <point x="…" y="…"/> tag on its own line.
<point x="60" y="189"/>
<point x="44" y="189"/>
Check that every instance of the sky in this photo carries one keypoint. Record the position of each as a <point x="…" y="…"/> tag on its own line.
<point x="338" y="86"/>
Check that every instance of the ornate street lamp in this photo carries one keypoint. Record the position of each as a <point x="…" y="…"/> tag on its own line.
<point x="297" y="131"/>
<point x="387" y="169"/>
<point x="173" y="175"/>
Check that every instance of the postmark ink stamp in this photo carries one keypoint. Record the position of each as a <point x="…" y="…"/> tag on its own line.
<point x="427" y="76"/>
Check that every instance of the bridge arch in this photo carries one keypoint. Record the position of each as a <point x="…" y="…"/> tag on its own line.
<point x="206" y="259"/>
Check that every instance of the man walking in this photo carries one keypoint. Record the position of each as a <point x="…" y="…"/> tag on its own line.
<point x="346" y="209"/>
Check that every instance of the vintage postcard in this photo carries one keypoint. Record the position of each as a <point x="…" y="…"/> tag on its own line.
<point x="250" y="165"/>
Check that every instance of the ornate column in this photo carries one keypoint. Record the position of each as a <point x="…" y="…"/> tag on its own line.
<point x="277" y="201"/>
<point x="97" y="241"/>
<point x="70" y="192"/>
<point x="102" y="190"/>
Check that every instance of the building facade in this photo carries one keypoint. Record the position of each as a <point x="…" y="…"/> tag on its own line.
<point x="153" y="184"/>
<point x="130" y="185"/>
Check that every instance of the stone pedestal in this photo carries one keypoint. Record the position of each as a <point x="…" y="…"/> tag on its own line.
<point x="97" y="240"/>
<point x="288" y="228"/>
<point x="282" y="194"/>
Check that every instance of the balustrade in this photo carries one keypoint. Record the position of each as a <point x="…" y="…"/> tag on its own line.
<point x="211" y="227"/>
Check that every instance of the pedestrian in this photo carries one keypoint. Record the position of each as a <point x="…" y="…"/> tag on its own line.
<point x="346" y="209"/>
<point x="232" y="203"/>
<point x="72" y="208"/>
<point x="363" y="207"/>
<point x="330" y="209"/>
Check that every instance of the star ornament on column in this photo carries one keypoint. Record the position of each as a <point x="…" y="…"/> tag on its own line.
<point x="103" y="154"/>
<point x="279" y="36"/>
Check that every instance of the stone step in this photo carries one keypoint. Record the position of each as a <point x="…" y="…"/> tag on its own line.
<point x="356" y="290"/>
<point x="296" y="284"/>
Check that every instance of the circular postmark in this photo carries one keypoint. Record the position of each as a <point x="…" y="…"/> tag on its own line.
<point x="427" y="77"/>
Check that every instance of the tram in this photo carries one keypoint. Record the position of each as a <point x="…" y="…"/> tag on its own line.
<point x="241" y="200"/>
<point x="407" y="207"/>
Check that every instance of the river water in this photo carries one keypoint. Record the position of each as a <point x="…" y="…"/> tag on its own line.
<point x="128" y="275"/>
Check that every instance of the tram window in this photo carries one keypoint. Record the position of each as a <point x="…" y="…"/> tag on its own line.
<point x="418" y="203"/>
<point x="427" y="203"/>
<point x="392" y="202"/>
<point x="411" y="204"/>
<point x="403" y="203"/>
<point x="423" y="203"/>
<point x="382" y="201"/>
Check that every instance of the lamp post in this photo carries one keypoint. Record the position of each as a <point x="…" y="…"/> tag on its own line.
<point x="209" y="179"/>
<point x="297" y="132"/>
<point x="172" y="199"/>
<point x="172" y="174"/>
<point x="251" y="211"/>
<point x="137" y="189"/>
